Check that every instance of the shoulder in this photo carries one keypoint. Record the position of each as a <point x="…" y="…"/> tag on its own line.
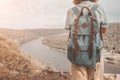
<point x="99" y="7"/>
<point x="70" y="11"/>
<point x="99" y="10"/>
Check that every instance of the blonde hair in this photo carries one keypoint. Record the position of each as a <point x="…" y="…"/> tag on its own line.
<point x="79" y="1"/>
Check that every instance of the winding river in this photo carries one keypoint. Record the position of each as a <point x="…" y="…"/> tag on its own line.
<point x="45" y="54"/>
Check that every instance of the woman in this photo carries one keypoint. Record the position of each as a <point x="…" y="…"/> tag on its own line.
<point x="81" y="72"/>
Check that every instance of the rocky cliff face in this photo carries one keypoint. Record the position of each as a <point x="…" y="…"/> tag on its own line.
<point x="112" y="38"/>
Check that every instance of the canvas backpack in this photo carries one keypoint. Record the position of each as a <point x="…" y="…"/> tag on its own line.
<point x="85" y="39"/>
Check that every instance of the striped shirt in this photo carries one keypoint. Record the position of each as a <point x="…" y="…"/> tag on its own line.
<point x="99" y="14"/>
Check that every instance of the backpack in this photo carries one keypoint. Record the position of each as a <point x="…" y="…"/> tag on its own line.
<point x="85" y="38"/>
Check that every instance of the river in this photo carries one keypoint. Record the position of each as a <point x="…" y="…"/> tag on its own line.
<point x="45" y="54"/>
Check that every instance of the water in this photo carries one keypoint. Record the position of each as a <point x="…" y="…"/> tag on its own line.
<point x="111" y="68"/>
<point x="45" y="54"/>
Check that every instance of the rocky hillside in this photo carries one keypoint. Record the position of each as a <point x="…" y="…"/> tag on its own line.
<point x="112" y="38"/>
<point x="14" y="65"/>
<point x="46" y="32"/>
<point x="22" y="36"/>
<point x="18" y="36"/>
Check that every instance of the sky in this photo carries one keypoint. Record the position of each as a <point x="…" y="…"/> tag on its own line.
<point x="27" y="14"/>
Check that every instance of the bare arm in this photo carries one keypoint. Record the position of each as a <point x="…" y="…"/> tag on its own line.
<point x="103" y="30"/>
<point x="69" y="19"/>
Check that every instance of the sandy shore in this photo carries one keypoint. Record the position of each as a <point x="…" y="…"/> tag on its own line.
<point x="58" y="42"/>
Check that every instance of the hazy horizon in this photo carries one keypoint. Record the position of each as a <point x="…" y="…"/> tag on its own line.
<point x="23" y="14"/>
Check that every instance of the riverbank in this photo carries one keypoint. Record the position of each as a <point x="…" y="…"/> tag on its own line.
<point x="14" y="65"/>
<point x="59" y="43"/>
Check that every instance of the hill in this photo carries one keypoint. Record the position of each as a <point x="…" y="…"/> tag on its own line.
<point x="14" y="65"/>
